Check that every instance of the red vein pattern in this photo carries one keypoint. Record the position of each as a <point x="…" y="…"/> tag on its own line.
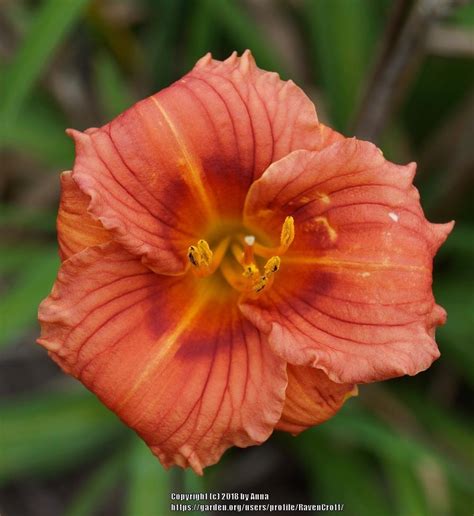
<point x="158" y="332"/>
<point x="188" y="155"/>
<point x="191" y="380"/>
<point x="311" y="398"/>
<point x="359" y="305"/>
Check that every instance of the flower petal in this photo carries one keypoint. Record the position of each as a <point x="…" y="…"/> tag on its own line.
<point x="165" y="170"/>
<point x="76" y="228"/>
<point x="171" y="358"/>
<point x="311" y="399"/>
<point x="244" y="119"/>
<point x="353" y="296"/>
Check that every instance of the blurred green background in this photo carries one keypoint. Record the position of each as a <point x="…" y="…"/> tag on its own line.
<point x="385" y="70"/>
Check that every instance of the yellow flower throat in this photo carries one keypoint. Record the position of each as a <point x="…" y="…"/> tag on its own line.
<point x="239" y="266"/>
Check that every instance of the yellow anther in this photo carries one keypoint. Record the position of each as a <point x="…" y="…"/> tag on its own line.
<point x="194" y="256"/>
<point x="260" y="284"/>
<point x="204" y="261"/>
<point x="286" y="238"/>
<point x="205" y="252"/>
<point x="287" y="232"/>
<point x="200" y="255"/>
<point x="272" y="266"/>
<point x="250" y="271"/>
<point x="251" y="279"/>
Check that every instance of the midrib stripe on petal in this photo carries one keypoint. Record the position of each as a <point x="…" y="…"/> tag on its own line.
<point x="331" y="262"/>
<point x="194" y="171"/>
<point x="167" y="345"/>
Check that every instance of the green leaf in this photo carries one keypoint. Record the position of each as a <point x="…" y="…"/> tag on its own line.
<point x="15" y="258"/>
<point x="420" y="119"/>
<point x="90" y="495"/>
<point x="459" y="242"/>
<point x="19" y="305"/>
<point x="353" y="427"/>
<point x="20" y="218"/>
<point x="193" y="483"/>
<point x="40" y="134"/>
<point x="243" y="32"/>
<point x="342" y="34"/>
<point x="406" y="489"/>
<point x="450" y="431"/>
<point x="149" y="485"/>
<point x="164" y="33"/>
<point x="454" y="293"/>
<point x="110" y="86"/>
<point x="51" y="23"/>
<point x="460" y="500"/>
<point x="47" y="433"/>
<point x="342" y="474"/>
<point x="463" y="15"/>
<point x="201" y="32"/>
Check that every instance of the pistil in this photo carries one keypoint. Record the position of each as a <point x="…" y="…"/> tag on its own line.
<point x="251" y="281"/>
<point x="249" y="242"/>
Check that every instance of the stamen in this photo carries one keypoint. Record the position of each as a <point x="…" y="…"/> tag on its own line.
<point x="272" y="266"/>
<point x="219" y="254"/>
<point x="204" y="261"/>
<point x="238" y="253"/>
<point x="260" y="284"/>
<point x="265" y="281"/>
<point x="194" y="256"/>
<point x="286" y="238"/>
<point x="233" y="278"/>
<point x="251" y="281"/>
<point x="287" y="233"/>
<point x="205" y="251"/>
<point x="250" y="271"/>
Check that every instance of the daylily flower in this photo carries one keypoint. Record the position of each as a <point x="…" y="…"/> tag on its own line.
<point x="231" y="266"/>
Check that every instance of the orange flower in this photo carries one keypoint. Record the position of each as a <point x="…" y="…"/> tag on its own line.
<point x="231" y="266"/>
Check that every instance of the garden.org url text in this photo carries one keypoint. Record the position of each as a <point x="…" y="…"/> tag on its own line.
<point x="242" y="502"/>
<point x="264" y="507"/>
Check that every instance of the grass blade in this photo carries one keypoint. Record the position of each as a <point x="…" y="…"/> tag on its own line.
<point x="48" y="433"/>
<point x="244" y="33"/>
<point x="330" y="466"/>
<point x="95" y="489"/>
<point x="342" y="61"/>
<point x="111" y="87"/>
<point x="52" y="22"/>
<point x="19" y="305"/>
<point x="149" y="484"/>
<point x="39" y="133"/>
<point x="406" y="488"/>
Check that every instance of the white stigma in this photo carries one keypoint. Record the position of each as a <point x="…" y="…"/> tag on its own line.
<point x="249" y="240"/>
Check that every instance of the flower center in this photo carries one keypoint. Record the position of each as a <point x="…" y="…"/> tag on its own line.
<point x="246" y="265"/>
